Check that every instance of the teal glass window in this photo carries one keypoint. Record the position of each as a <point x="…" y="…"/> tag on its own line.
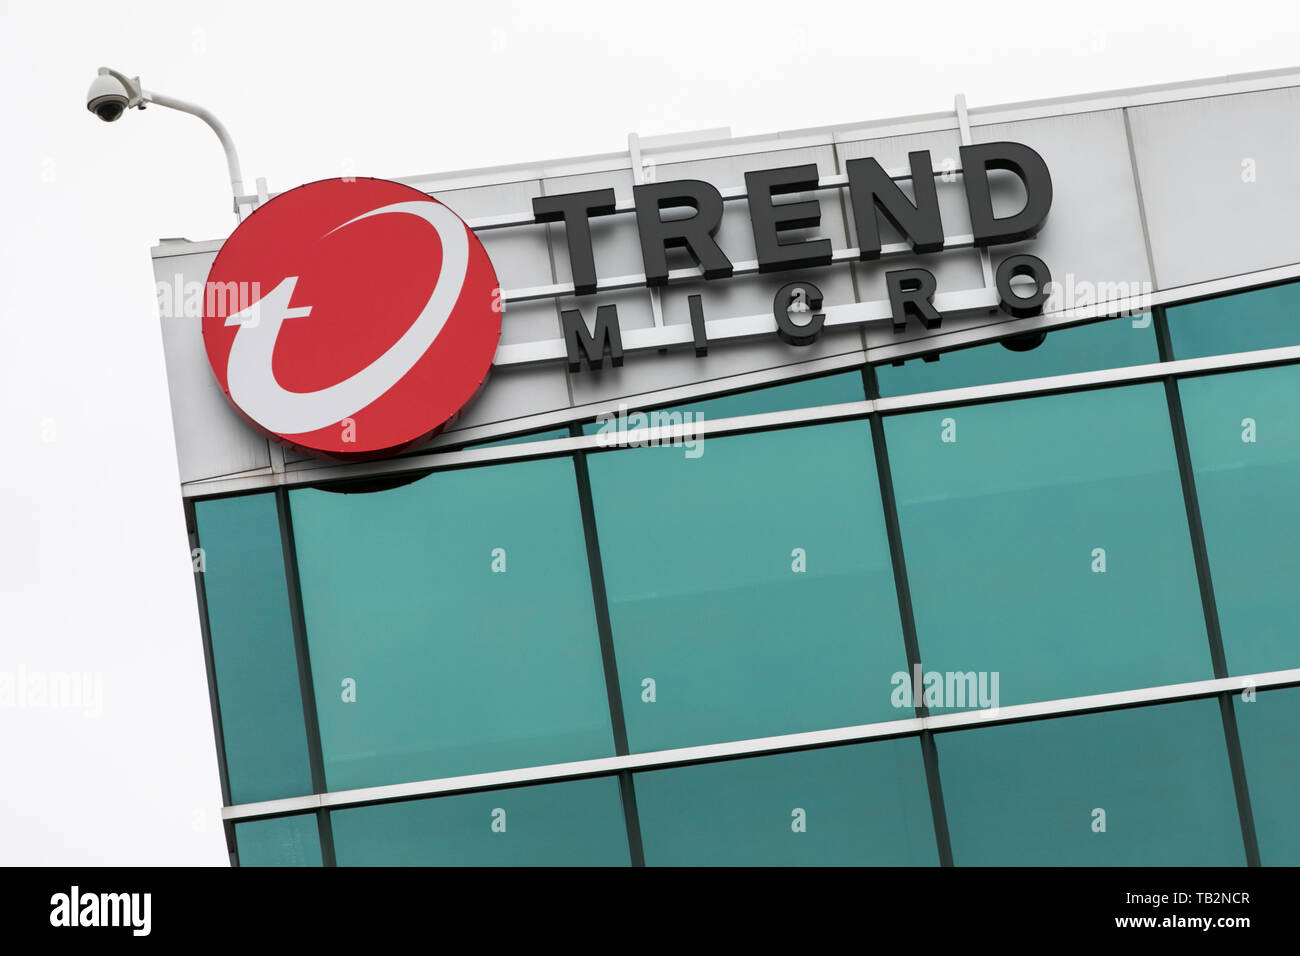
<point x="450" y="625"/>
<point x="1244" y="322"/>
<point x="258" y="690"/>
<point x="1244" y="437"/>
<point x="279" y="841"/>
<point x="836" y="389"/>
<point x="1110" y="343"/>
<point x="750" y="588"/>
<point x="1047" y="544"/>
<point x="577" y="823"/>
<point x="1038" y="793"/>
<point x="859" y="805"/>
<point x="1269" y="728"/>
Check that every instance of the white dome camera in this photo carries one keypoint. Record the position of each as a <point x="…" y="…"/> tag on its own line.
<point x="112" y="94"/>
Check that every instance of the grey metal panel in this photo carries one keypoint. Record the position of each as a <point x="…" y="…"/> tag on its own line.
<point x="1094" y="230"/>
<point x="1205" y="221"/>
<point x="891" y="151"/>
<point x="520" y="256"/>
<point x="211" y="438"/>
<point x="650" y="372"/>
<point x="514" y="392"/>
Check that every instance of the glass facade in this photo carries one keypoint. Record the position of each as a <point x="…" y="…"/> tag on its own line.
<point x="750" y="590"/>
<point x="1244" y="436"/>
<point x="838" y="806"/>
<point x="810" y="578"/>
<point x="576" y="823"/>
<point x="1046" y="541"/>
<point x="279" y="841"/>
<point x="1148" y="786"/>
<point x="253" y="648"/>
<point x="450" y="625"/>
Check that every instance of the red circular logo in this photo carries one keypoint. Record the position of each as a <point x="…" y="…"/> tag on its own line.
<point x="351" y="318"/>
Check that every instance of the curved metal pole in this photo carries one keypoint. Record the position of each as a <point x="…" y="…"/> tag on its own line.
<point x="232" y="158"/>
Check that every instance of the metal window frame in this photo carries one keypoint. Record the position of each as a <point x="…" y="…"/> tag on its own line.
<point x="907" y="618"/>
<point x="1205" y="581"/>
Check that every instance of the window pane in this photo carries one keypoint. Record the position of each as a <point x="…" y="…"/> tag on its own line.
<point x="1029" y="794"/>
<point x="810" y="393"/>
<point x="252" y="648"/>
<point x="752" y="585"/>
<point x="450" y="625"/>
<point x="863" y="805"/>
<point x="559" y="824"/>
<point x="1244" y="437"/>
<point x="1260" y="319"/>
<point x="1269" y="727"/>
<point x="1047" y="544"/>
<point x="280" y="841"/>
<point x="1111" y="343"/>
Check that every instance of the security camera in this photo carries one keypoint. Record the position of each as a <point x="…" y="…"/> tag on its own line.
<point x="112" y="94"/>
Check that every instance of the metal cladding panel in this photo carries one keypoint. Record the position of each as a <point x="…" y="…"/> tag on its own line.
<point x="1093" y="235"/>
<point x="211" y="438"/>
<point x="514" y="392"/>
<point x="1220" y="183"/>
<point x="520" y="255"/>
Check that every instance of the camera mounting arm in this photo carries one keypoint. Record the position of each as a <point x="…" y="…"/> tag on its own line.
<point x="132" y="95"/>
<point x="232" y="158"/>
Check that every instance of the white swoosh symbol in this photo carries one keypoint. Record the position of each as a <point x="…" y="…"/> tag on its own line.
<point x="252" y="382"/>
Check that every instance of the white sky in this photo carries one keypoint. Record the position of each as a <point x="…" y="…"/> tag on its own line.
<point x="94" y="567"/>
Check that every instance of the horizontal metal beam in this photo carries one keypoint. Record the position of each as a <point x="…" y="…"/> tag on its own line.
<point x="684" y="756"/>
<point x="955" y="304"/>
<point x="889" y="250"/>
<point x="729" y="194"/>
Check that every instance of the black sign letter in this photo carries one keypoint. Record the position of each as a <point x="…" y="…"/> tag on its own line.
<point x="769" y="220"/>
<point x="802" y="297"/>
<point x="580" y="344"/>
<point x="910" y="292"/>
<point x="1023" y="306"/>
<point x="1017" y="158"/>
<point x="574" y="209"/>
<point x="694" y="233"/>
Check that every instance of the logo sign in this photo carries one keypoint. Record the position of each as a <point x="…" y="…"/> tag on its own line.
<point x="686" y="216"/>
<point x="372" y="322"/>
<point x="355" y="318"/>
